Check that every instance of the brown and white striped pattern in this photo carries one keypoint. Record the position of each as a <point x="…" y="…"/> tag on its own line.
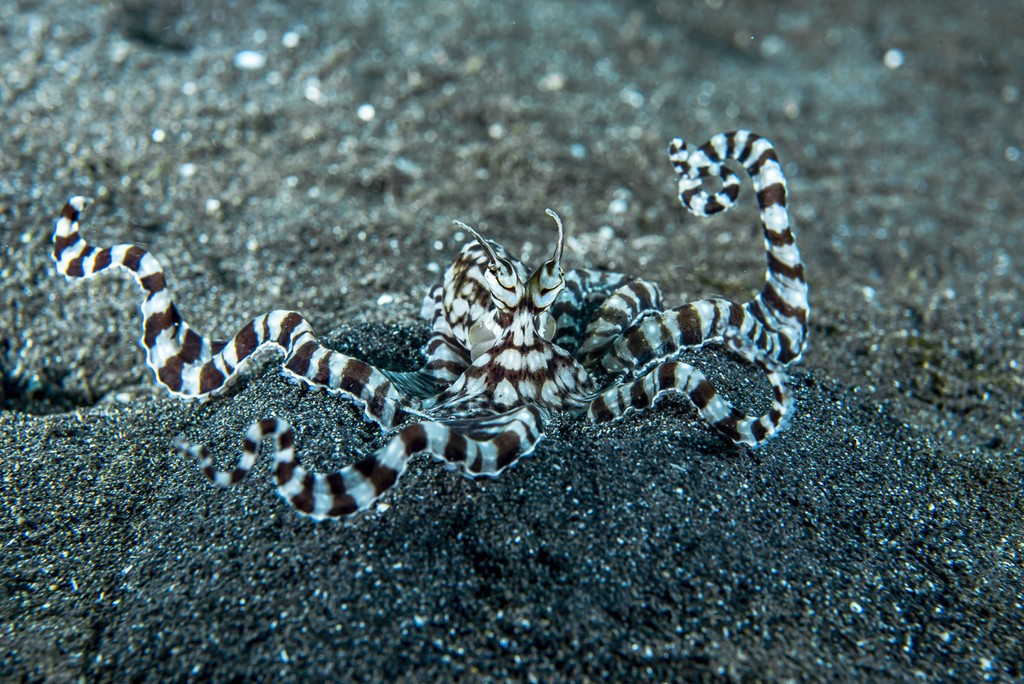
<point x="770" y="331"/>
<point x="682" y="378"/>
<point x="782" y="303"/>
<point x="446" y="358"/>
<point x="584" y="289"/>
<point x="466" y="297"/>
<point x="482" y="447"/>
<point x="658" y="337"/>
<point x="515" y="364"/>
<point x="515" y="371"/>
<point x="505" y="348"/>
<point x="621" y="311"/>
<point x="193" y="366"/>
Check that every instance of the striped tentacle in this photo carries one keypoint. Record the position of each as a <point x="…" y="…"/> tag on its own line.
<point x="782" y="303"/>
<point x="677" y="376"/>
<point x="480" y="447"/>
<point x="193" y="366"/>
<point x="619" y="312"/>
<point x="446" y="358"/>
<point x="583" y="289"/>
<point x="658" y="337"/>
<point x="486" y="445"/>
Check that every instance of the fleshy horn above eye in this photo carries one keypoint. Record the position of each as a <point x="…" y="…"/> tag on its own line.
<point x="502" y="269"/>
<point x="547" y="281"/>
<point x="557" y="258"/>
<point x="479" y="238"/>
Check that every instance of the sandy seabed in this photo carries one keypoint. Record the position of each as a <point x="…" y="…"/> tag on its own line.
<point x="312" y="156"/>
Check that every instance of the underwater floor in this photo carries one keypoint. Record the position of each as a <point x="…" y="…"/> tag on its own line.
<point x="312" y="157"/>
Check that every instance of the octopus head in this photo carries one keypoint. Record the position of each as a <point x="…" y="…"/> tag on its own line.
<point x="509" y="292"/>
<point x="519" y="305"/>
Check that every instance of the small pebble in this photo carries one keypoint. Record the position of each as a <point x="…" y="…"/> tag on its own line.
<point x="250" y="60"/>
<point x="552" y="82"/>
<point x="618" y="206"/>
<point x="366" y="112"/>
<point x="893" y="58"/>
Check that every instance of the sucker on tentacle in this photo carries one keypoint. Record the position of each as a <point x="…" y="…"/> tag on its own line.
<point x="507" y="346"/>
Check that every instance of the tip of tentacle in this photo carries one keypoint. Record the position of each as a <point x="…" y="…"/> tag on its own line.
<point x="189" y="450"/>
<point x="65" y="236"/>
<point x="677" y="149"/>
<point x="561" y="235"/>
<point x="69" y="214"/>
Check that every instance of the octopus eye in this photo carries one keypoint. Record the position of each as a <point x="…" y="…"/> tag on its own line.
<point x="507" y="279"/>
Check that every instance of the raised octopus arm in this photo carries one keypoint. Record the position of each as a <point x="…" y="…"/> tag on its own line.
<point x="193" y="366"/>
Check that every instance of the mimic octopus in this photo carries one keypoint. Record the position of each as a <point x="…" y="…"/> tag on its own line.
<point x="507" y="347"/>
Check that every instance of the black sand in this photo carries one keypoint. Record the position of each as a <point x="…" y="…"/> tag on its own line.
<point x="878" y="538"/>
